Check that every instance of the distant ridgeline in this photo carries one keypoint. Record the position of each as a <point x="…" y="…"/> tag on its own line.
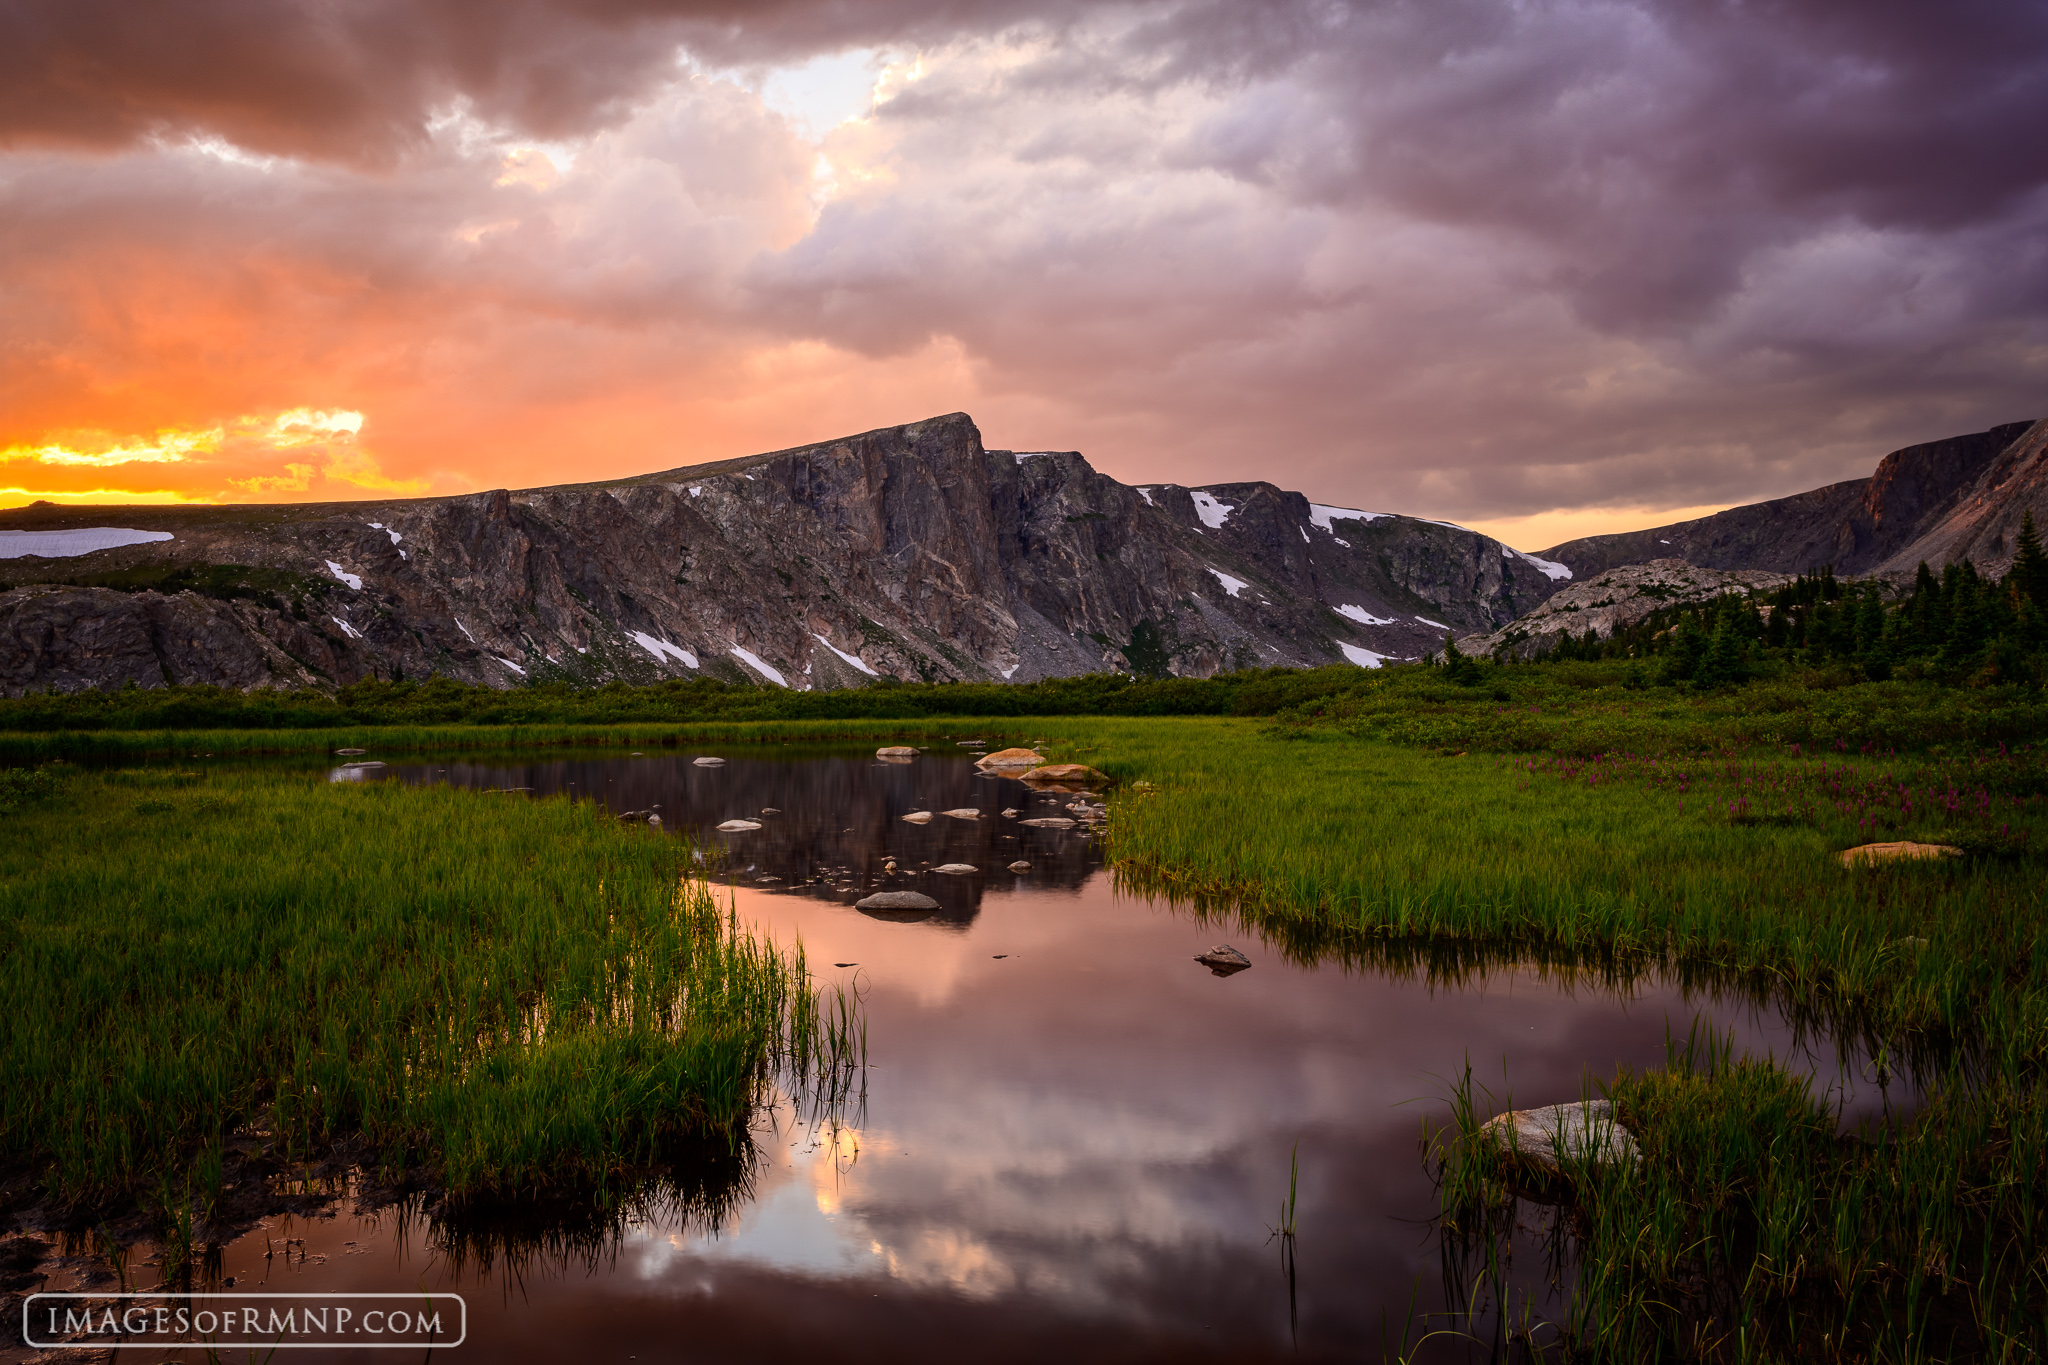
<point x="1958" y="626"/>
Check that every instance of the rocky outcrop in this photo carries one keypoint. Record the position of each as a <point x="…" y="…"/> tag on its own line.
<point x="1863" y="526"/>
<point x="1614" y="601"/>
<point x="909" y="553"/>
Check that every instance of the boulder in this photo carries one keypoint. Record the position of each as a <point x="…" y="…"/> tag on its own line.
<point x="738" y="826"/>
<point x="1009" y="812"/>
<point x="1879" y="853"/>
<point x="1074" y="774"/>
<point x="1020" y="866"/>
<point x="1011" y="758"/>
<point x="1556" y="1134"/>
<point x="1049" y="822"/>
<point x="896" y="900"/>
<point x="896" y="751"/>
<point x="654" y="820"/>
<point x="956" y="869"/>
<point x="919" y="817"/>
<point x="708" y="762"/>
<point x="1224" y="960"/>
<point x="963" y="813"/>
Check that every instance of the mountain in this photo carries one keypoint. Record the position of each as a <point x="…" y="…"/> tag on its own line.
<point x="1962" y="497"/>
<point x="1614" y="600"/>
<point x="909" y="552"/>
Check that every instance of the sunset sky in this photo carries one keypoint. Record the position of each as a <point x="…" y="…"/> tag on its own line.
<point x="1541" y="268"/>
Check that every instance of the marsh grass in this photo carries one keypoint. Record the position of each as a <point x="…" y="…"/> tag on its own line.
<point x="501" y="998"/>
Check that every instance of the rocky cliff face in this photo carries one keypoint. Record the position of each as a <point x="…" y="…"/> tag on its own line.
<point x="1616" y="600"/>
<point x="1863" y="526"/>
<point x="909" y="552"/>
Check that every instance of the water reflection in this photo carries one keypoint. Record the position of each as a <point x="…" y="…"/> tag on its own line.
<point x="1075" y="1141"/>
<point x="829" y="826"/>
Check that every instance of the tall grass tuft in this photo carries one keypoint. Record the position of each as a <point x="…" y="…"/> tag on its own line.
<point x="497" y="997"/>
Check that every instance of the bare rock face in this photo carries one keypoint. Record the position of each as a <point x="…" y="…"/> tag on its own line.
<point x="1615" y="600"/>
<point x="909" y="553"/>
<point x="1885" y="524"/>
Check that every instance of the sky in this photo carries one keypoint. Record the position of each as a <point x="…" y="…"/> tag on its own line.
<point x="1542" y="267"/>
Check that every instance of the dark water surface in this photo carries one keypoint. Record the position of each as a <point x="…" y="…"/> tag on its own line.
<point x="1075" y="1141"/>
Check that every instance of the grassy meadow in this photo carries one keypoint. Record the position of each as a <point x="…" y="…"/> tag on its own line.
<point x="438" y="971"/>
<point x="218" y="973"/>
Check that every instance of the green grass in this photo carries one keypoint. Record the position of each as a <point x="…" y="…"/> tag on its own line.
<point x="1560" y="815"/>
<point x="505" y="995"/>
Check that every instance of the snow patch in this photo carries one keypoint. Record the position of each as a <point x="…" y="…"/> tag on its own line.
<point x="1319" y="515"/>
<point x="1552" y="570"/>
<point x="1427" y="622"/>
<point x="1023" y="455"/>
<point x="1663" y="542"/>
<point x="1304" y="535"/>
<point x="66" y="544"/>
<point x="1212" y="512"/>
<point x="853" y="659"/>
<point x="1006" y="672"/>
<point x="759" y="665"/>
<point x="1146" y="494"/>
<point x="346" y="628"/>
<point x="509" y="664"/>
<point x="696" y="490"/>
<point x="1364" y="658"/>
<point x="1233" y="586"/>
<point x="662" y="649"/>
<point x="1364" y="617"/>
<point x="344" y="575"/>
<point x="465" y="632"/>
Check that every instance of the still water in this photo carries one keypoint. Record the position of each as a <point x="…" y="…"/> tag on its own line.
<point x="1074" y="1141"/>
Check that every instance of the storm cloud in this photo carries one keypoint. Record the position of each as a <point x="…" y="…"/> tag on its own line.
<point x="1466" y="258"/>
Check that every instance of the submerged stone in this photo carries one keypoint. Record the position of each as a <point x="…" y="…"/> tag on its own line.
<point x="964" y="813"/>
<point x="1049" y="822"/>
<point x="1020" y="866"/>
<point x="896" y="900"/>
<point x="1074" y="774"/>
<point x="956" y="869"/>
<point x="1224" y="960"/>
<point x="709" y="762"/>
<point x="919" y="817"/>
<point x="739" y="826"/>
<point x="896" y="751"/>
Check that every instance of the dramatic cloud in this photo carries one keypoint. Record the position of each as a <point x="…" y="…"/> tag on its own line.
<point x="1499" y="262"/>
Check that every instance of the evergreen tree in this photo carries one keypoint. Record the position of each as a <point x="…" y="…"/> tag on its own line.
<point x="2030" y="565"/>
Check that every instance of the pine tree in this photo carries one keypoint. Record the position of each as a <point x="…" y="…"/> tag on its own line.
<point x="2030" y="565"/>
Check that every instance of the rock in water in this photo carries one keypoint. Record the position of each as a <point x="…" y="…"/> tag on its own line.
<point x="1020" y="866"/>
<point x="1049" y="822"/>
<point x="1009" y="812"/>
<point x="1223" y="960"/>
<point x="738" y="826"/>
<point x="1077" y="774"/>
<point x="919" y="817"/>
<point x="1878" y="853"/>
<point x="709" y="762"/>
<point x="964" y="813"/>
<point x="1010" y="758"/>
<point x="974" y="744"/>
<point x="896" y="751"/>
<point x="350" y="753"/>
<point x="654" y="820"/>
<point x="896" y="900"/>
<point x="956" y="869"/>
<point x="1558" y="1134"/>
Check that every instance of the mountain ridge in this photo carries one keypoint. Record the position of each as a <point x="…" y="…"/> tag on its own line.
<point x="908" y="552"/>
